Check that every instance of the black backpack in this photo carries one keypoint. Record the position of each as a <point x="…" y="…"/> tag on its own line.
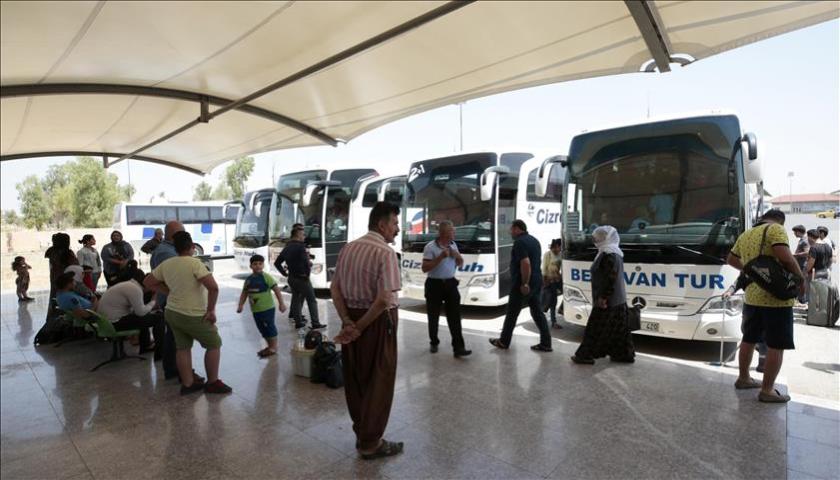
<point x="326" y="365"/>
<point x="770" y="275"/>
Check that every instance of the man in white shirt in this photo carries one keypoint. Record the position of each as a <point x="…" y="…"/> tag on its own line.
<point x="123" y="305"/>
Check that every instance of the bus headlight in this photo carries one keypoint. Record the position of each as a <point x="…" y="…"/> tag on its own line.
<point x="484" y="281"/>
<point x="574" y="294"/>
<point x="732" y="307"/>
<point x="317" y="268"/>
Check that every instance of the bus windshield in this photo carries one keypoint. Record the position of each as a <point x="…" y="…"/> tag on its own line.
<point x="338" y="203"/>
<point x="290" y="209"/>
<point x="668" y="185"/>
<point x="253" y="220"/>
<point x="448" y="189"/>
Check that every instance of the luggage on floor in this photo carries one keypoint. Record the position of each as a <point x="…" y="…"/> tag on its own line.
<point x="823" y="304"/>
<point x="326" y="365"/>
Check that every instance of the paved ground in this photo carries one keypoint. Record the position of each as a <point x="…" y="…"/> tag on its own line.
<point x="513" y="414"/>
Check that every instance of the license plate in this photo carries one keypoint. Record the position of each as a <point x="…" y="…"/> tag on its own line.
<point x="650" y="326"/>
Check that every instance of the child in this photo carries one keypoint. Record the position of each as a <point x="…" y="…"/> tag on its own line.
<point x="22" y="281"/>
<point x="258" y="287"/>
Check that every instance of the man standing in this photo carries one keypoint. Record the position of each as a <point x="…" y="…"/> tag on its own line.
<point x="526" y="287"/>
<point x="818" y="265"/>
<point x="765" y="316"/>
<point x="440" y="259"/>
<point x="153" y="242"/>
<point x="801" y="256"/>
<point x="296" y="257"/>
<point x="161" y="253"/>
<point x="190" y="313"/>
<point x="364" y="291"/>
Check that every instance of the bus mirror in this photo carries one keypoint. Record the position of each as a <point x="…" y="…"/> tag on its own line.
<point x="312" y="189"/>
<point x="487" y="183"/>
<point x="749" y="153"/>
<point x="544" y="173"/>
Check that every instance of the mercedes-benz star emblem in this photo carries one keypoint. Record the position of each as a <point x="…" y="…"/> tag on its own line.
<point x="639" y="302"/>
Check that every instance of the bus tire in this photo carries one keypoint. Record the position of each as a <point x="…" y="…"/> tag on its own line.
<point x="199" y="250"/>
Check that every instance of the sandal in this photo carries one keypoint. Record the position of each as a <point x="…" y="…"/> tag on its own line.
<point x="497" y="342"/>
<point x="744" y="385"/>
<point x="386" y="449"/>
<point x="266" y="352"/>
<point x="779" y="397"/>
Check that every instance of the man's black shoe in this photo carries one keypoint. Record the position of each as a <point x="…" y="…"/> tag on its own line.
<point x="433" y="348"/>
<point x="298" y="326"/>
<point x="318" y="326"/>
<point x="463" y="353"/>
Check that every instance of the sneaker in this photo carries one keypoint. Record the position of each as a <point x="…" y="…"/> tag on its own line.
<point x="217" y="387"/>
<point x="497" y="342"/>
<point x="195" y="387"/>
<point x="541" y="348"/>
<point x="317" y="326"/>
<point x="463" y="353"/>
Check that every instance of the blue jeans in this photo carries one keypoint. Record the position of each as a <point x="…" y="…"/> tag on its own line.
<point x="553" y="291"/>
<point x="515" y="302"/>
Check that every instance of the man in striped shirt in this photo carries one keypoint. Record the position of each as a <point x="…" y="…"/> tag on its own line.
<point x="364" y="292"/>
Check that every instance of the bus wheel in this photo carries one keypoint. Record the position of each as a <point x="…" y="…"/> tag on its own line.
<point x="198" y="250"/>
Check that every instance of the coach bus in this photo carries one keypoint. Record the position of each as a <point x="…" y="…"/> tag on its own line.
<point x="481" y="194"/>
<point x="253" y="226"/>
<point x="320" y="200"/>
<point x="366" y="193"/>
<point x="211" y="224"/>
<point x="679" y="191"/>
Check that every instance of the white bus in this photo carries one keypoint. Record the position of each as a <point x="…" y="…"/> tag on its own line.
<point x="366" y="193"/>
<point x="679" y="191"/>
<point x="320" y="200"/>
<point x="253" y="225"/>
<point x="211" y="224"/>
<point x="481" y="194"/>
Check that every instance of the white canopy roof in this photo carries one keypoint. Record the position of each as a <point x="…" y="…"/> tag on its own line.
<point x="112" y="77"/>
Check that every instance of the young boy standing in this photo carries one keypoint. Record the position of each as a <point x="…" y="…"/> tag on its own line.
<point x="258" y="287"/>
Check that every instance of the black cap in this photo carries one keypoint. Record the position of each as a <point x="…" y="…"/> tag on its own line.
<point x="799" y="228"/>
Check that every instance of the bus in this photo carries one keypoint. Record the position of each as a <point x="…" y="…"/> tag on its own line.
<point x="481" y="194"/>
<point x="679" y="191"/>
<point x="211" y="224"/>
<point x="253" y="226"/>
<point x="366" y="193"/>
<point x="320" y="200"/>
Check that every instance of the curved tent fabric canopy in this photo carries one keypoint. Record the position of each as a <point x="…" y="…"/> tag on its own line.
<point x="105" y="77"/>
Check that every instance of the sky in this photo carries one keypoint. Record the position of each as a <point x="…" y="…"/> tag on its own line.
<point x="785" y="90"/>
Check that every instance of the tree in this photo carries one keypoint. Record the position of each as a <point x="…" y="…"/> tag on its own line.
<point x="202" y="191"/>
<point x="237" y="174"/>
<point x="10" y="217"/>
<point x="127" y="192"/>
<point x="95" y="192"/>
<point x="34" y="203"/>
<point x="56" y="184"/>
<point x="221" y="192"/>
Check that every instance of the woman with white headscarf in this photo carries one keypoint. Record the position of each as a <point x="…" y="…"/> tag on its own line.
<point x="607" y="332"/>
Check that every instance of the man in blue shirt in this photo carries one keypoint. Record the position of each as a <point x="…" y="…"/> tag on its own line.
<point x="526" y="287"/>
<point x="70" y="301"/>
<point x="440" y="260"/>
<point x="161" y="253"/>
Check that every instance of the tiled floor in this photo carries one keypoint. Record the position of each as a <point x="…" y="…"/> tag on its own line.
<point x="497" y="414"/>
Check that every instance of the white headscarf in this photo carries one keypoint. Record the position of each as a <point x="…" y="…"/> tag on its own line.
<point x="606" y="239"/>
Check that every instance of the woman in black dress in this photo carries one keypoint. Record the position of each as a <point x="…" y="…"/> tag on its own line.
<point x="607" y="331"/>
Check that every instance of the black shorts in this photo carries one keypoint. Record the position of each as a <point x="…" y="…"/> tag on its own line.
<point x="772" y="324"/>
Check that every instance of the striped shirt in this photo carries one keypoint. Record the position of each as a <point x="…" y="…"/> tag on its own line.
<point x="365" y="267"/>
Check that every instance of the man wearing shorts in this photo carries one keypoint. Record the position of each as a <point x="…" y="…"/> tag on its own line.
<point x="191" y="313"/>
<point x="765" y="316"/>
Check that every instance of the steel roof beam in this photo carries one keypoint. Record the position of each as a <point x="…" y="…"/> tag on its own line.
<point x="650" y="26"/>
<point x="104" y="155"/>
<point x="32" y="90"/>
<point x="339" y="57"/>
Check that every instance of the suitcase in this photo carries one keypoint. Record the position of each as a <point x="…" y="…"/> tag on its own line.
<point x="823" y="304"/>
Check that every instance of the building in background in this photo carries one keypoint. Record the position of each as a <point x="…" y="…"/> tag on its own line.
<point x="807" y="202"/>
